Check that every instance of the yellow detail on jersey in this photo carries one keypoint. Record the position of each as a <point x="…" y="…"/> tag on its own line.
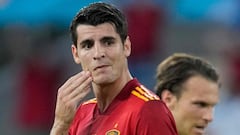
<point x="150" y="93"/>
<point x="115" y="125"/>
<point x="139" y="95"/>
<point x="144" y="93"/>
<point x="94" y="100"/>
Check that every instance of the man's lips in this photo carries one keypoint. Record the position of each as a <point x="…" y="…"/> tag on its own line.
<point x="99" y="67"/>
<point x="200" y="129"/>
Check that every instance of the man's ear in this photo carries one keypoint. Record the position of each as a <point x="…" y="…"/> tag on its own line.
<point x="169" y="98"/>
<point x="127" y="47"/>
<point x="75" y="54"/>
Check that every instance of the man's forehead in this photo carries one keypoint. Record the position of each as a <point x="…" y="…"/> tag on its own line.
<point x="95" y="32"/>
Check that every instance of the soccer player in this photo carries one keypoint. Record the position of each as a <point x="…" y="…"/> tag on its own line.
<point x="122" y="104"/>
<point x="189" y="86"/>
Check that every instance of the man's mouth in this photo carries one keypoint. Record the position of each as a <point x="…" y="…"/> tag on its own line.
<point x="99" y="67"/>
<point x="199" y="129"/>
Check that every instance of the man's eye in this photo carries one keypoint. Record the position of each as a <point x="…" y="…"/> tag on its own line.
<point x="201" y="104"/>
<point x="87" y="46"/>
<point x="108" y="43"/>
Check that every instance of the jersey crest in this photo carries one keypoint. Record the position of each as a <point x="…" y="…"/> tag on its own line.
<point x="113" y="132"/>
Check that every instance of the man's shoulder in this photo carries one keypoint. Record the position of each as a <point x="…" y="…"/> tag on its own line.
<point x="86" y="107"/>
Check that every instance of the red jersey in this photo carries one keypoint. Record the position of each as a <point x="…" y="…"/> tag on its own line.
<point x="134" y="111"/>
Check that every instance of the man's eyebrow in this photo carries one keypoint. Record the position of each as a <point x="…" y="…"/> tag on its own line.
<point x="85" y="42"/>
<point x="107" y="38"/>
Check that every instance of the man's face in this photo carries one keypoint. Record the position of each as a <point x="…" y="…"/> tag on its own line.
<point x="194" y="108"/>
<point x="100" y="51"/>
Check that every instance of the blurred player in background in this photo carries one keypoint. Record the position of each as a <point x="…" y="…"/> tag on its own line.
<point x="189" y="86"/>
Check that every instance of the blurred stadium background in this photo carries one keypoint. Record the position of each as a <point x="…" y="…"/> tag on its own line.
<point x="35" y="54"/>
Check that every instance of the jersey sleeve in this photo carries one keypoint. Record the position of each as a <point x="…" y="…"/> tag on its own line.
<point x="155" y="119"/>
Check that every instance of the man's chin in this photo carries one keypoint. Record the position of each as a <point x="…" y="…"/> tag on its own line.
<point x="101" y="80"/>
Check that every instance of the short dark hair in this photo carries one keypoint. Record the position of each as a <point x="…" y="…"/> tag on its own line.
<point x="176" y="69"/>
<point x="98" y="13"/>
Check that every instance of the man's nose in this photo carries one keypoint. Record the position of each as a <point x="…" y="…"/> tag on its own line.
<point x="98" y="51"/>
<point x="209" y="114"/>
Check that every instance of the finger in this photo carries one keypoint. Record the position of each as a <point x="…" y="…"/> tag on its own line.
<point x="74" y="82"/>
<point x="65" y="97"/>
<point x="72" y="79"/>
<point x="82" y="81"/>
<point x="79" y="90"/>
<point x="71" y="102"/>
<point x="78" y="98"/>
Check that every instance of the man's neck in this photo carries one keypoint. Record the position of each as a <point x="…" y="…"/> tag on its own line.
<point x="105" y="94"/>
